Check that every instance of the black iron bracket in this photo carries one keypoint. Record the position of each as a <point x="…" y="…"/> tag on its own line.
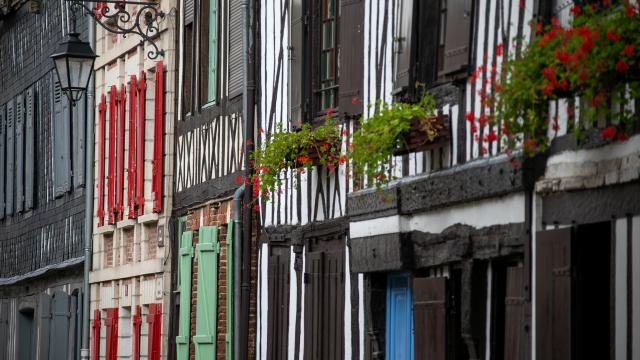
<point x="114" y="18"/>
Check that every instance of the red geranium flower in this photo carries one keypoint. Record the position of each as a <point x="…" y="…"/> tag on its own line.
<point x="611" y="36"/>
<point x="499" y="49"/>
<point x="575" y="10"/>
<point x="628" y="50"/>
<point x="492" y="136"/>
<point x="622" y="66"/>
<point x="563" y="56"/>
<point x="608" y="132"/>
<point x="631" y="10"/>
<point x="469" y="116"/>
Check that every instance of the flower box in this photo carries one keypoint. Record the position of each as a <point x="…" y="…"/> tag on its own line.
<point x="314" y="153"/>
<point x="418" y="140"/>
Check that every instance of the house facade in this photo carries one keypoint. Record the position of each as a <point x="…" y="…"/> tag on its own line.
<point x="42" y="188"/>
<point x="130" y="281"/>
<point x="472" y="251"/>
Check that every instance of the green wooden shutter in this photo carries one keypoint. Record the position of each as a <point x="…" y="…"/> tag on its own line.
<point x="213" y="50"/>
<point x="207" y="296"/>
<point x="229" y="338"/>
<point x="184" y="286"/>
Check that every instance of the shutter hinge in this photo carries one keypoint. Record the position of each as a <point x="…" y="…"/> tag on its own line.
<point x="218" y="247"/>
<point x="305" y="19"/>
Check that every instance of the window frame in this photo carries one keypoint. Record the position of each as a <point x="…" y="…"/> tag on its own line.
<point x="315" y="59"/>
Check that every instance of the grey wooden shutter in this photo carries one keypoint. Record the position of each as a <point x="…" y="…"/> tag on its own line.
<point x="296" y="59"/>
<point x="29" y="146"/>
<point x="188" y="11"/>
<point x="73" y="322"/>
<point x="10" y="159"/>
<point x="19" y="174"/>
<point x="60" y="326"/>
<point x="44" y="326"/>
<point x="402" y="45"/>
<point x="456" y="46"/>
<point x="78" y="142"/>
<point x="278" y="316"/>
<point x="235" y="48"/>
<point x="4" y="329"/>
<point x="553" y="294"/>
<point x="61" y="143"/>
<point x="3" y="121"/>
<point x="351" y="56"/>
<point x="313" y="306"/>
<point x="429" y="314"/>
<point x="514" y="317"/>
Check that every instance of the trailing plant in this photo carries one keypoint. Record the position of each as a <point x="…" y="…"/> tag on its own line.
<point x="296" y="150"/>
<point x="596" y="58"/>
<point x="385" y="132"/>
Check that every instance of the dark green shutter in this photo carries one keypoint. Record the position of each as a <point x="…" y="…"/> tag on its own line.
<point x="456" y="46"/>
<point x="296" y="60"/>
<point x="351" y="56"/>
<point x="19" y="129"/>
<point x="61" y="143"/>
<point x="3" y="121"/>
<point x="29" y="148"/>
<point x="207" y="295"/>
<point x="60" y="327"/>
<point x="4" y="328"/>
<point x="10" y="159"/>
<point x="44" y="317"/>
<point x="235" y="48"/>
<point x="79" y="144"/>
<point x="184" y="287"/>
<point x="402" y="44"/>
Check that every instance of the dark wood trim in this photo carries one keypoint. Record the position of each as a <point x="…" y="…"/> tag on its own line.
<point x="199" y="193"/>
<point x="208" y="114"/>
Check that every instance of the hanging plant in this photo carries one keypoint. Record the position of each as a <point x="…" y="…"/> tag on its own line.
<point x="297" y="150"/>
<point x="394" y="129"/>
<point x="596" y="59"/>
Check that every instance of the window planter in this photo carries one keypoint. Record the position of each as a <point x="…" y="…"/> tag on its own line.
<point x="417" y="139"/>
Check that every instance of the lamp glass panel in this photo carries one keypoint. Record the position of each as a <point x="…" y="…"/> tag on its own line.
<point x="63" y="76"/>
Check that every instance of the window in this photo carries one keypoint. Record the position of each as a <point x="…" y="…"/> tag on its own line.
<point x="327" y="72"/>
<point x="208" y="51"/>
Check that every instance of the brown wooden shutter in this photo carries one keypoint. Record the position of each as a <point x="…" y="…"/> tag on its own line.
<point x="313" y="305"/>
<point x="278" y="315"/>
<point x="351" y="56"/>
<point x="429" y="312"/>
<point x="514" y="321"/>
<point x="402" y="45"/>
<point x="296" y="60"/>
<point x="553" y="294"/>
<point x="456" y="46"/>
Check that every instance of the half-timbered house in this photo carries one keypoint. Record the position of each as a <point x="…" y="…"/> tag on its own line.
<point x="42" y="188"/>
<point x="464" y="256"/>
<point x="133" y="172"/>
<point x="213" y="306"/>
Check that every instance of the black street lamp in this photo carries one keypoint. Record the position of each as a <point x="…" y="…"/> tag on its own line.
<point x="74" y="60"/>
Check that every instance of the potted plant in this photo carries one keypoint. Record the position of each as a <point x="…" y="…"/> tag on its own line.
<point x="395" y="129"/>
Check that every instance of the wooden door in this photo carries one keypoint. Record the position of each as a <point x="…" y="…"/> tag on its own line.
<point x="429" y="314"/>
<point x="278" y="314"/>
<point x="399" y="330"/>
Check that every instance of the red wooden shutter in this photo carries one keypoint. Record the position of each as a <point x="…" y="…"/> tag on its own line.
<point x="156" y="185"/>
<point x="154" y="319"/>
<point x="113" y="94"/>
<point x="111" y="323"/>
<point x="95" y="333"/>
<point x="120" y="158"/>
<point x="101" y="110"/>
<point x="553" y="294"/>
<point x="136" y="334"/>
<point x="142" y="86"/>
<point x="429" y="313"/>
<point x="131" y="163"/>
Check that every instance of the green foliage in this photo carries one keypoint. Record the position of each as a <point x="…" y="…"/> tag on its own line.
<point x="385" y="132"/>
<point x="595" y="58"/>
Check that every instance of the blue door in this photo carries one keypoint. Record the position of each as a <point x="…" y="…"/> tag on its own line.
<point x="399" y="335"/>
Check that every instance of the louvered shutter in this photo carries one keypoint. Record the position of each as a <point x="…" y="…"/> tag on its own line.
<point x="188" y="11"/>
<point x="19" y="174"/>
<point x="79" y="142"/>
<point x="60" y="325"/>
<point x="142" y="88"/>
<point x="351" y="56"/>
<point x="9" y="196"/>
<point x="111" y="325"/>
<point x="158" y="117"/>
<point x="402" y="45"/>
<point x="131" y="163"/>
<point x="184" y="286"/>
<point x="154" y="319"/>
<point x="44" y="326"/>
<point x="61" y="143"/>
<point x="4" y="329"/>
<point x="456" y="46"/>
<point x="314" y="298"/>
<point x="29" y="146"/>
<point x="3" y="132"/>
<point x="429" y="313"/>
<point x="278" y="315"/>
<point x="120" y="154"/>
<point x="137" y="321"/>
<point x="101" y="116"/>
<point x="236" y="57"/>
<point x="514" y="319"/>
<point x="95" y="335"/>
<point x="207" y="295"/>
<point x="296" y="61"/>
<point x="553" y="294"/>
<point x="111" y="165"/>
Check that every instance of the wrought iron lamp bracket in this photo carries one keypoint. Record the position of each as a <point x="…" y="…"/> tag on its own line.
<point x="113" y="17"/>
